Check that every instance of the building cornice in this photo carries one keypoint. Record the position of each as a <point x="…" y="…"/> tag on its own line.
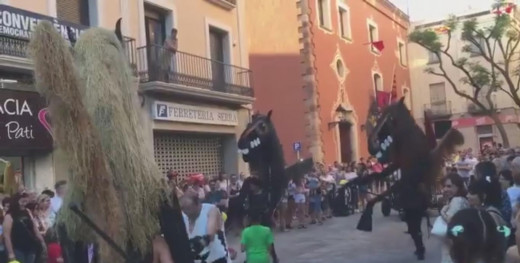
<point x="442" y="21"/>
<point x="194" y="92"/>
<point x="392" y="9"/>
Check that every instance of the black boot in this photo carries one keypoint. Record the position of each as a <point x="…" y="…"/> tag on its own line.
<point x="420" y="253"/>
<point x="419" y="246"/>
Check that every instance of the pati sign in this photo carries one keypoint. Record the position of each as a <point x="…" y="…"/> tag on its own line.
<point x="19" y="23"/>
<point x="193" y="114"/>
<point x="23" y="121"/>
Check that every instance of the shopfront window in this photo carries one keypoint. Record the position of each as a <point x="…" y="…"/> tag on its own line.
<point x="11" y="171"/>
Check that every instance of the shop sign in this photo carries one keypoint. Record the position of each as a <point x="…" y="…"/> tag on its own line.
<point x="167" y="111"/>
<point x="19" y="23"/>
<point x="483" y="120"/>
<point x="24" y="124"/>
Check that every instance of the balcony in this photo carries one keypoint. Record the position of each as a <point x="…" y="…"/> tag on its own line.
<point x="226" y="4"/>
<point x="13" y="52"/>
<point x="192" y="75"/>
<point x="439" y="109"/>
<point x="476" y="110"/>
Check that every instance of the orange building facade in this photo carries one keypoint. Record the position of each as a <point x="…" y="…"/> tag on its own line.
<point x="324" y="98"/>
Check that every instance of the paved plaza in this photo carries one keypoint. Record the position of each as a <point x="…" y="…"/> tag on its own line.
<point x="337" y="241"/>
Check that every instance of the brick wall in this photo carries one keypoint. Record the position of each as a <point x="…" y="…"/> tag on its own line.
<point x="75" y="11"/>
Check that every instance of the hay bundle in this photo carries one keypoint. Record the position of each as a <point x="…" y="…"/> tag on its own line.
<point x="110" y="96"/>
<point x="90" y="180"/>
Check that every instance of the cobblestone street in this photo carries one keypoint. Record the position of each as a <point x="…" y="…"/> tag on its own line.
<point x="338" y="241"/>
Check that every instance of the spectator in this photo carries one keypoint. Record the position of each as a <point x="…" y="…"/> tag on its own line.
<point x="223" y="182"/>
<point x="54" y="252"/>
<point x="257" y="241"/>
<point x="48" y="192"/>
<point x="454" y="191"/>
<point x="299" y="199"/>
<point x="6" y="203"/>
<point x="22" y="238"/>
<point x="235" y="204"/>
<point x="172" y="182"/>
<point x="505" y="177"/>
<point x="216" y="196"/>
<point x="196" y="182"/>
<point x="313" y="184"/>
<point x="57" y="201"/>
<point x="486" y="171"/>
<point x="42" y="213"/>
<point x="291" y="204"/>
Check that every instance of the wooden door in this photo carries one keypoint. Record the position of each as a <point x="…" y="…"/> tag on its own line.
<point x="345" y="142"/>
<point x="216" y="42"/>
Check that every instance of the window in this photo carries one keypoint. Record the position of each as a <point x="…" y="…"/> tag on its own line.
<point x="373" y="37"/>
<point x="324" y="13"/>
<point x="475" y="49"/>
<point x="155" y="27"/>
<point x="432" y="58"/>
<point x="378" y="82"/>
<point x="437" y="93"/>
<point x="402" y="53"/>
<point x="484" y="129"/>
<point x="76" y="11"/>
<point x="344" y="22"/>
<point x="340" y="68"/>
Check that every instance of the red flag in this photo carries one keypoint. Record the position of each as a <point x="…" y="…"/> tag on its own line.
<point x="509" y="8"/>
<point x="379" y="45"/>
<point x="393" y="93"/>
<point x="383" y="98"/>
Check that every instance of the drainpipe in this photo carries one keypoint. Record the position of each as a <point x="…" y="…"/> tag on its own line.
<point x="240" y="4"/>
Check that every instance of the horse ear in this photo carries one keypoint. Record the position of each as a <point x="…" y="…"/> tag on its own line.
<point x="401" y="100"/>
<point x="118" y="30"/>
<point x="269" y="114"/>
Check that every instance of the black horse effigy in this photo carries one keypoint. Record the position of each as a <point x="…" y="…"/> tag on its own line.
<point x="397" y="142"/>
<point x="260" y="147"/>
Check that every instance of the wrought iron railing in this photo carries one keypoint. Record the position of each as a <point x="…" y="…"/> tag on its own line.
<point x="17" y="47"/>
<point x="439" y="108"/>
<point x="156" y="63"/>
<point x="12" y="46"/>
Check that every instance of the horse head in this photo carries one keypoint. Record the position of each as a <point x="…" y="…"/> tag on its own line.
<point x="257" y="135"/>
<point x="386" y="128"/>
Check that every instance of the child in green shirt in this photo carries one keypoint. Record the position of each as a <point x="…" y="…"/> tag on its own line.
<point x="257" y="241"/>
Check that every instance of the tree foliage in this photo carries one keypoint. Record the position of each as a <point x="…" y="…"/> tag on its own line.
<point x="497" y="44"/>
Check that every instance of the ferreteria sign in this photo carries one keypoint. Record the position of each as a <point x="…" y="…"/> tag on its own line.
<point x="167" y="111"/>
<point x="24" y="124"/>
<point x="19" y="23"/>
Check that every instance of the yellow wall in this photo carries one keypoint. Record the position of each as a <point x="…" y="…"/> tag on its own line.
<point x="36" y="6"/>
<point x="418" y="62"/>
<point x="191" y="19"/>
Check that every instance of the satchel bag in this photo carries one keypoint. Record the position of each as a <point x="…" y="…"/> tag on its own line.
<point x="440" y="227"/>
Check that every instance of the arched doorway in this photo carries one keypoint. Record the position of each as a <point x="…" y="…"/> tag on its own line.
<point x="345" y="141"/>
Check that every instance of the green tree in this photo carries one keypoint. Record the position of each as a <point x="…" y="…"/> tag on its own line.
<point x="497" y="71"/>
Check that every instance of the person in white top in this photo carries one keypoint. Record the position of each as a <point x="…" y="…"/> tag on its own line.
<point x="57" y="200"/>
<point x="205" y="230"/>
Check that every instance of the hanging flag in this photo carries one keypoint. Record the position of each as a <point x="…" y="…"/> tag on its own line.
<point x="497" y="11"/>
<point x="373" y="115"/>
<point x="383" y="98"/>
<point x="509" y="8"/>
<point x="379" y="45"/>
<point x="393" y="94"/>
<point x="441" y="29"/>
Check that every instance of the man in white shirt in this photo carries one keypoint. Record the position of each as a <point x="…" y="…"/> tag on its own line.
<point x="471" y="162"/>
<point x="57" y="201"/>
